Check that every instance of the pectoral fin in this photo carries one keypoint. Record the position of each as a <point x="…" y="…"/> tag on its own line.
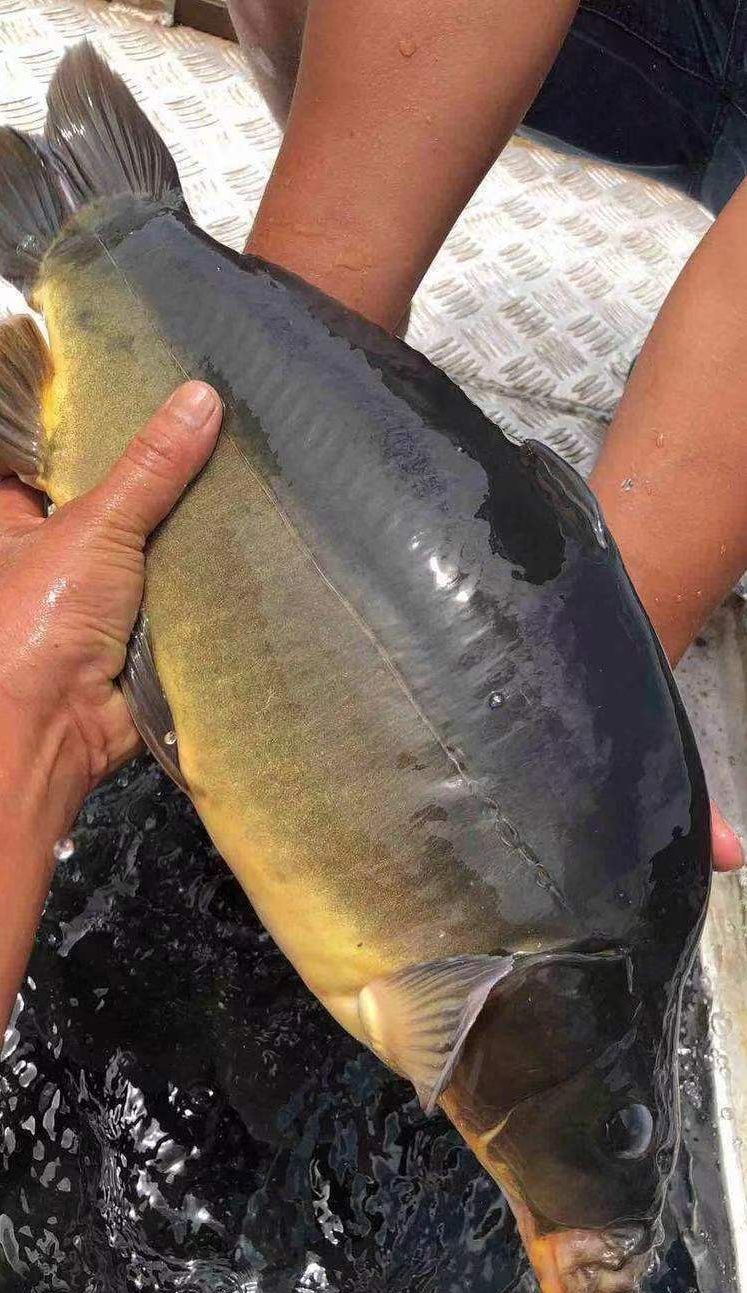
<point x="418" y="1020"/>
<point x="147" y="703"/>
<point x="573" y="498"/>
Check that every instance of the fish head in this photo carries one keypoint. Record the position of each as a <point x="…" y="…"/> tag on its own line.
<point x="567" y="1093"/>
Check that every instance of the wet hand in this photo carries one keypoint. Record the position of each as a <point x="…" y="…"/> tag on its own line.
<point x="71" y="586"/>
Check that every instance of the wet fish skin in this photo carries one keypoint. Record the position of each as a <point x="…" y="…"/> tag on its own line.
<point x="417" y="705"/>
<point x="384" y="469"/>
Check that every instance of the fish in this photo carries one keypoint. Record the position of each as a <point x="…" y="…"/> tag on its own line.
<point x="395" y="661"/>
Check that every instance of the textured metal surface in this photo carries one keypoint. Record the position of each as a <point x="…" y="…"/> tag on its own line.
<point x="536" y="306"/>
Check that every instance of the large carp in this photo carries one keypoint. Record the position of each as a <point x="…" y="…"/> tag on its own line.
<point x="397" y="664"/>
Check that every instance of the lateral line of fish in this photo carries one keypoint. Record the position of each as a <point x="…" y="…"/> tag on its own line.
<point x="520" y="848"/>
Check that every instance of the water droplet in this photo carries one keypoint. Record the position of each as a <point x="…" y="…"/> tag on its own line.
<point x="659" y="441"/>
<point x="496" y="699"/>
<point x="628" y="483"/>
<point x="169" y="738"/>
<point x="25" y="1073"/>
<point x="63" y="848"/>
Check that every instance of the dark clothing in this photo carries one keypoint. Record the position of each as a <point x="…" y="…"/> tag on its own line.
<point x="657" y="85"/>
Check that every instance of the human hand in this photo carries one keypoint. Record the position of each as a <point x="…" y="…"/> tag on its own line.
<point x="70" y="590"/>
<point x="728" y="854"/>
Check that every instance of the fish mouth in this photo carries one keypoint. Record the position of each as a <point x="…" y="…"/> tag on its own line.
<point x="587" y="1261"/>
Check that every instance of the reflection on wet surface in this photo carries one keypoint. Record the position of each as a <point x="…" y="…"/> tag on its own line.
<point x="178" y="1113"/>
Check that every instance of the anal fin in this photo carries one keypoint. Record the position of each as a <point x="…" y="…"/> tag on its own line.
<point x="25" y="372"/>
<point x="418" y="1019"/>
<point x="147" y="703"/>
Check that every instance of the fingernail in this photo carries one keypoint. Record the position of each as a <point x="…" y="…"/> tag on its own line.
<point x="194" y="404"/>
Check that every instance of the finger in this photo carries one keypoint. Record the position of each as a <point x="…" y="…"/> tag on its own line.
<point x="18" y="502"/>
<point x="161" y="460"/>
<point x="728" y="854"/>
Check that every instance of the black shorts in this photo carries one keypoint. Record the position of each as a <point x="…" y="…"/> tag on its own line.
<point x="658" y="85"/>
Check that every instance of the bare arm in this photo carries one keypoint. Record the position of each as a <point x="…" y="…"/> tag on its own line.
<point x="41" y="789"/>
<point x="399" y="111"/>
<point x="679" y="440"/>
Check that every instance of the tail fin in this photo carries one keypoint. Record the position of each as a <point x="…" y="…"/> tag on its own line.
<point x="25" y="371"/>
<point x="99" y="144"/>
<point x="32" y="206"/>
<point x="105" y="142"/>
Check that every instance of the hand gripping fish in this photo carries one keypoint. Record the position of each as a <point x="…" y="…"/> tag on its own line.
<point x="415" y="699"/>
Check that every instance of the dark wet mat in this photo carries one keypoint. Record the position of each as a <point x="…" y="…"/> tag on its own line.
<point x="178" y="1113"/>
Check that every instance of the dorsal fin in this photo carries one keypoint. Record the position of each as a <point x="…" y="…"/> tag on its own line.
<point x="104" y="140"/>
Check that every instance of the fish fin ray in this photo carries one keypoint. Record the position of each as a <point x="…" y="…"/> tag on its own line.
<point x="105" y="142"/>
<point x="417" y="1020"/>
<point x="25" y="371"/>
<point x="33" y="206"/>
<point x="568" y="488"/>
<point x="147" y="702"/>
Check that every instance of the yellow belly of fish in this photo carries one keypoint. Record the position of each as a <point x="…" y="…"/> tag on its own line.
<point x="268" y="678"/>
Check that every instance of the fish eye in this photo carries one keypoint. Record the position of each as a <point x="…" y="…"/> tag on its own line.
<point x="629" y="1132"/>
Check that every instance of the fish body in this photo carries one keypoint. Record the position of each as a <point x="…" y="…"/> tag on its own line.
<point x="416" y="701"/>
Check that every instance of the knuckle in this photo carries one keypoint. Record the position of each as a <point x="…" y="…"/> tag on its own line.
<point x="155" y="451"/>
<point x="81" y="518"/>
<point x="94" y="526"/>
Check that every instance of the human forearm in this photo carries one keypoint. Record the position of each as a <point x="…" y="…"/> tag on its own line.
<point x="42" y="784"/>
<point x="398" y="113"/>
<point x="672" y="477"/>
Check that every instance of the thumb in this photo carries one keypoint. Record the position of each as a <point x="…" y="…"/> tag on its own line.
<point x="161" y="460"/>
